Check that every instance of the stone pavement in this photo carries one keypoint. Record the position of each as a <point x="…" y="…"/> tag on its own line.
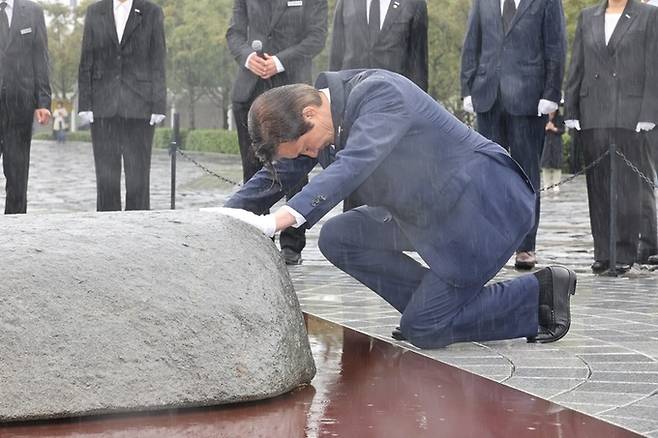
<point x="607" y="366"/>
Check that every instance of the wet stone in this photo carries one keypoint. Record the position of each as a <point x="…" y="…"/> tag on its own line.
<point x="120" y="312"/>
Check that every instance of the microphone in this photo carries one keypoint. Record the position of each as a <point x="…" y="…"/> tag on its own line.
<point x="257" y="46"/>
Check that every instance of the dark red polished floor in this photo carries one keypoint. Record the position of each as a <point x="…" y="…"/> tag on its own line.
<point x="364" y="388"/>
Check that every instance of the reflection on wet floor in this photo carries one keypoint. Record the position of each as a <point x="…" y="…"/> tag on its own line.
<point x="364" y="388"/>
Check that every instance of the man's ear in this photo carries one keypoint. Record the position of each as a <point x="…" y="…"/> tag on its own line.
<point x="309" y="112"/>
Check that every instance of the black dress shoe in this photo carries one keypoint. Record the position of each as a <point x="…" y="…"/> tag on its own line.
<point x="599" y="267"/>
<point x="622" y="268"/>
<point x="653" y="259"/>
<point x="556" y="285"/>
<point x="397" y="334"/>
<point x="291" y="257"/>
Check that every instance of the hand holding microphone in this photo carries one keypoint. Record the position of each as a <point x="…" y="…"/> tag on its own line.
<point x="259" y="63"/>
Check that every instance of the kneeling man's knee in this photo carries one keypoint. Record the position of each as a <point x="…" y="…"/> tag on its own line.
<point x="330" y="238"/>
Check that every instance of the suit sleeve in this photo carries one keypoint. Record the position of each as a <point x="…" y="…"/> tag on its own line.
<point x="649" y="109"/>
<point x="315" y="34"/>
<point x="554" y="50"/>
<point x="261" y="192"/>
<point x="41" y="63"/>
<point x="158" y="55"/>
<point x="417" y="59"/>
<point x="236" y="34"/>
<point x="381" y="120"/>
<point x="471" y="49"/>
<point x="575" y="76"/>
<point x="337" y="50"/>
<point x="86" y="65"/>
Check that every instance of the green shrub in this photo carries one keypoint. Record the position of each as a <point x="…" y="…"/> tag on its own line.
<point x="163" y="136"/>
<point x="213" y="140"/>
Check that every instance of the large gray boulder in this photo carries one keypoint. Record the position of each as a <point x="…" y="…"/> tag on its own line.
<point x="127" y="311"/>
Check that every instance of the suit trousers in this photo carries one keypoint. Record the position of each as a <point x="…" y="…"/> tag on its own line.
<point x="435" y="313"/>
<point x="15" y="138"/>
<point x="628" y="202"/>
<point x="648" y="244"/>
<point x="523" y="137"/>
<point x="293" y="238"/>
<point x="114" y="139"/>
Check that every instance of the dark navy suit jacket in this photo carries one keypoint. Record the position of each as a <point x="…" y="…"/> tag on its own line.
<point x="526" y="64"/>
<point x="461" y="200"/>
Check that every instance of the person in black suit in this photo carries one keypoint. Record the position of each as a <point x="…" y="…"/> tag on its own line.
<point x="511" y="75"/>
<point x="291" y="33"/>
<point x="24" y="92"/>
<point x="122" y="93"/>
<point x="612" y="96"/>
<point x="395" y="40"/>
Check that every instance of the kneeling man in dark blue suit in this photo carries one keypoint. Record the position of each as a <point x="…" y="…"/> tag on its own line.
<point x="430" y="184"/>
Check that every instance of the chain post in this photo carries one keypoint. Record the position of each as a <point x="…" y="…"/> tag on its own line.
<point x="173" y="148"/>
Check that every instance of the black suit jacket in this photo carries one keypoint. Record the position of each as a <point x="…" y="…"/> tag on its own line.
<point x="401" y="46"/>
<point x="295" y="31"/>
<point x="24" y="63"/>
<point x="127" y="78"/>
<point x="614" y="86"/>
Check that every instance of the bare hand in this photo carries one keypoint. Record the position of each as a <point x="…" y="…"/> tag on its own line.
<point x="42" y="115"/>
<point x="257" y="65"/>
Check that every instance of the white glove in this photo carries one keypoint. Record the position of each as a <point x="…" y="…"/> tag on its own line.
<point x="644" y="126"/>
<point x="572" y="124"/>
<point x="87" y="116"/>
<point x="266" y="224"/>
<point x="468" y="105"/>
<point x="156" y="119"/>
<point x="546" y="107"/>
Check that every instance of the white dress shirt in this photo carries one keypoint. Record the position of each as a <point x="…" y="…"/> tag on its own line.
<point x="611" y="21"/>
<point x="121" y="13"/>
<point x="502" y="3"/>
<point x="383" y="8"/>
<point x="9" y="10"/>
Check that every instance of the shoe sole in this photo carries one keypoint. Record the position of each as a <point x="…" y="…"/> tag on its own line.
<point x="571" y="282"/>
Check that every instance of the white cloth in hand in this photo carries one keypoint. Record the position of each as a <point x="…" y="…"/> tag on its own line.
<point x="87" y="116"/>
<point x="156" y="119"/>
<point x="572" y="124"/>
<point x="644" y="126"/>
<point x="546" y="107"/>
<point x="468" y="105"/>
<point x="266" y="224"/>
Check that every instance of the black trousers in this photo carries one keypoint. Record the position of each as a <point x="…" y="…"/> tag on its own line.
<point x="293" y="238"/>
<point x="523" y="137"/>
<point x="648" y="244"/>
<point x="628" y="202"/>
<point x="114" y="139"/>
<point x="15" y="138"/>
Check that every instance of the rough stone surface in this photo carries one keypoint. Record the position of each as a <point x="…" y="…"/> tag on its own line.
<point x="114" y="312"/>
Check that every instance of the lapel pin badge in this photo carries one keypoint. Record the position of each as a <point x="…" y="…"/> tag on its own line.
<point x="627" y="16"/>
<point x="137" y="11"/>
<point x="396" y="4"/>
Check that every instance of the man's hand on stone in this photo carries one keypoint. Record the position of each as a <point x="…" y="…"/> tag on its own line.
<point x="266" y="224"/>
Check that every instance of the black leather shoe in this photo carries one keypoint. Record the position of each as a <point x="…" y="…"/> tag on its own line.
<point x="653" y="259"/>
<point x="556" y="285"/>
<point x="599" y="267"/>
<point x="397" y="334"/>
<point x="622" y="268"/>
<point x="291" y="257"/>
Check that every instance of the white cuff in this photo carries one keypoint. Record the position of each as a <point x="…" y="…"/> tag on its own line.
<point x="279" y="66"/>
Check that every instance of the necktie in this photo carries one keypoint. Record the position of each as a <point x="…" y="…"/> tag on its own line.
<point x="373" y="20"/>
<point x="509" y="10"/>
<point x="4" y="24"/>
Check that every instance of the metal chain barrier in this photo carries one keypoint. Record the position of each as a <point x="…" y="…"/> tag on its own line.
<point x="580" y="172"/>
<point x="208" y="171"/>
<point x="634" y="168"/>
